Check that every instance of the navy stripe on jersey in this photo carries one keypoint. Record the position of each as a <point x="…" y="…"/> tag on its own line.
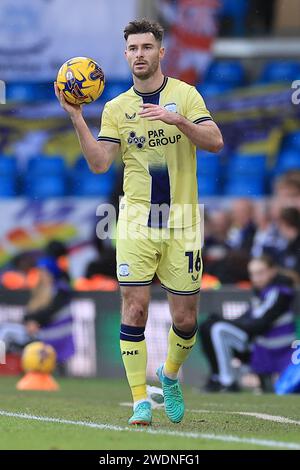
<point x="160" y="183"/>
<point x="203" y="119"/>
<point x="109" y="139"/>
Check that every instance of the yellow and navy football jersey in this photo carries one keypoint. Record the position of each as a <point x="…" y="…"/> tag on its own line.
<point x="160" y="161"/>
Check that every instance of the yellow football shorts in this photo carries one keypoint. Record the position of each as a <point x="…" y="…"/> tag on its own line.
<point x="173" y="254"/>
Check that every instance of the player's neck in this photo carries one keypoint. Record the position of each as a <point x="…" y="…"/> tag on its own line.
<point x="151" y="84"/>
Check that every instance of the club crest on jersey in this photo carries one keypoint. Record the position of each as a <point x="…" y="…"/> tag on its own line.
<point x="172" y="107"/>
<point x="130" y="118"/>
<point x="138" y="141"/>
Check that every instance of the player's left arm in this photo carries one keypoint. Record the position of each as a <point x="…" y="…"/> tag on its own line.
<point x="205" y="135"/>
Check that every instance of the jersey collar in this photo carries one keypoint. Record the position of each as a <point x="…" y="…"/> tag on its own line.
<point x="159" y="90"/>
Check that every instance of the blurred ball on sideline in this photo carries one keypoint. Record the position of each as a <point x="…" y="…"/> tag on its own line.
<point x="39" y="357"/>
<point x="81" y="80"/>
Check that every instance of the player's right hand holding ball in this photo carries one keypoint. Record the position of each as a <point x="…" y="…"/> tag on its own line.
<point x="74" y="110"/>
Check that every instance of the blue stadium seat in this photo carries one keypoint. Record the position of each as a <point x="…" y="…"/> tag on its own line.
<point x="113" y="88"/>
<point x="208" y="90"/>
<point x="240" y="165"/>
<point x="54" y="165"/>
<point x="226" y="72"/>
<point x="291" y="141"/>
<point x="46" y="177"/>
<point x="86" y="183"/>
<point x="208" y="173"/>
<point x="44" y="187"/>
<point x="246" y="175"/>
<point x="280" y="71"/>
<point x="288" y="160"/>
<point x="245" y="188"/>
<point x="236" y="10"/>
<point x="7" y="186"/>
<point x="8" y="176"/>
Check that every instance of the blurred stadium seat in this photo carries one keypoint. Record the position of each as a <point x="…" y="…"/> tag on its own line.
<point x="46" y="177"/>
<point x="208" y="90"/>
<point x="291" y="141"/>
<point x="245" y="188"/>
<point x="288" y="159"/>
<point x="237" y="12"/>
<point x="208" y="174"/>
<point x="280" y="71"/>
<point x="85" y="183"/>
<point x="8" y="176"/>
<point x="226" y="72"/>
<point x="246" y="175"/>
<point x="114" y="87"/>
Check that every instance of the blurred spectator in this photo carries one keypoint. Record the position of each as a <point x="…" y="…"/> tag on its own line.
<point x="267" y="239"/>
<point x="191" y="31"/>
<point x="289" y="227"/>
<point x="215" y="247"/>
<point x="242" y="231"/>
<point x="268" y="327"/>
<point x="105" y="263"/>
<point x="47" y="315"/>
<point x="287" y="189"/>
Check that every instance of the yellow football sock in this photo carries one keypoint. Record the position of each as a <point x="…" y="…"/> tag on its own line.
<point x="179" y="347"/>
<point x="134" y="355"/>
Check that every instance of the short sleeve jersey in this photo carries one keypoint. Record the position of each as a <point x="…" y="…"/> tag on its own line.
<point x="160" y="181"/>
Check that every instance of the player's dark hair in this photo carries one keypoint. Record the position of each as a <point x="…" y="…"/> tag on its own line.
<point x="144" y="26"/>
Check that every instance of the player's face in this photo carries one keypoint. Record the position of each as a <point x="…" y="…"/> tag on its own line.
<point x="143" y="54"/>
<point x="260" y="273"/>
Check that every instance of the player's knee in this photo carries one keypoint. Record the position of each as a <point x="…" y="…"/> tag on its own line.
<point x="186" y="322"/>
<point x="134" y="311"/>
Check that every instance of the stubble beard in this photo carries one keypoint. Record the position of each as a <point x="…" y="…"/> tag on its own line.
<point x="149" y="73"/>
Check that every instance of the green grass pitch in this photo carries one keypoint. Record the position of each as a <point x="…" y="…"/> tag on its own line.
<point x="86" y="414"/>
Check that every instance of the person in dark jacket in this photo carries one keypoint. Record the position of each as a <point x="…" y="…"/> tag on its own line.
<point x="289" y="227"/>
<point x="267" y="328"/>
<point x="47" y="315"/>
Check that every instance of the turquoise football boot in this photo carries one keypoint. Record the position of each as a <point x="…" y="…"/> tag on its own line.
<point x="142" y="414"/>
<point x="173" y="398"/>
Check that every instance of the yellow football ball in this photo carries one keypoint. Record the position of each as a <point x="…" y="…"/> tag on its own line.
<point x="39" y="357"/>
<point x="81" y="80"/>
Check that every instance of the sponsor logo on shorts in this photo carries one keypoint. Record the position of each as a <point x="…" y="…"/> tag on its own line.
<point x="123" y="270"/>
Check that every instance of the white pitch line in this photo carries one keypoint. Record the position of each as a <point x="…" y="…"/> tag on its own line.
<point x="264" y="416"/>
<point x="160" y="432"/>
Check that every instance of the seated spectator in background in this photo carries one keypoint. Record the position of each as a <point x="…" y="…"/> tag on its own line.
<point x="289" y="227"/>
<point x="287" y="190"/>
<point x="105" y="263"/>
<point x="47" y="315"/>
<point x="267" y="239"/>
<point x="267" y="327"/>
<point x="242" y="230"/>
<point x="215" y="247"/>
<point x="236" y="244"/>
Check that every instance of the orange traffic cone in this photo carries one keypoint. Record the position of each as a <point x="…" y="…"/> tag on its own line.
<point x="38" y="381"/>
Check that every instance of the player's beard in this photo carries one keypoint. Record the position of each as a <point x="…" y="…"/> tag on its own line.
<point x="144" y="75"/>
